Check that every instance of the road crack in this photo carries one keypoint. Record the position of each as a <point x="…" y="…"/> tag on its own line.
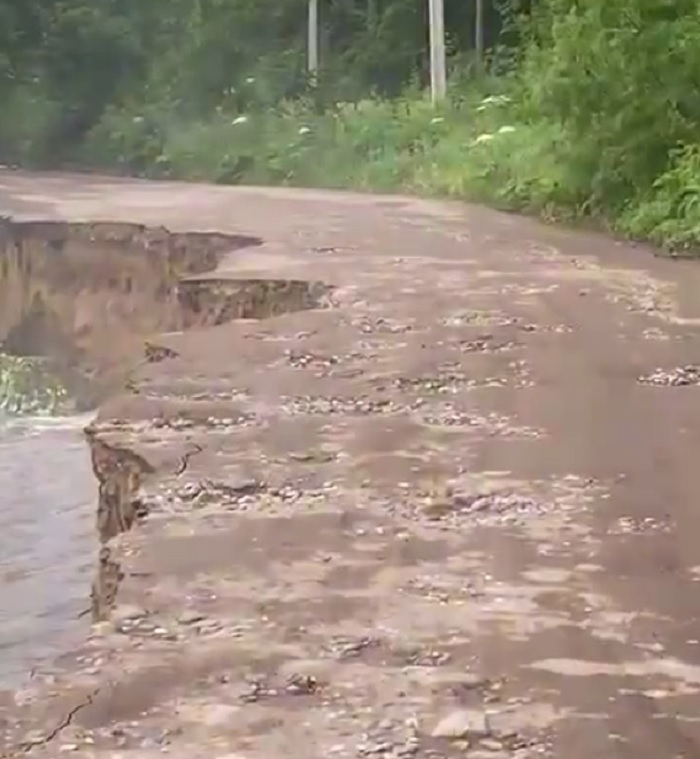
<point x="185" y="459"/>
<point x="65" y="722"/>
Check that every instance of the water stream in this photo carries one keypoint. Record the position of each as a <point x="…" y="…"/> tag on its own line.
<point x="47" y="540"/>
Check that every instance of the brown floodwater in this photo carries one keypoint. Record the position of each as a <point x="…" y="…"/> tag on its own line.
<point x="47" y="541"/>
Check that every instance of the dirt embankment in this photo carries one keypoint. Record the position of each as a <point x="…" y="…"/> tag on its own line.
<point x="99" y="299"/>
<point x="89" y="295"/>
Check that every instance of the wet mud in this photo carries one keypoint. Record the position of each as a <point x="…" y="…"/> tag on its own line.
<point x="439" y="505"/>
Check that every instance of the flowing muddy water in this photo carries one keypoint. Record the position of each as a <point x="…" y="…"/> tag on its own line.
<point x="47" y="541"/>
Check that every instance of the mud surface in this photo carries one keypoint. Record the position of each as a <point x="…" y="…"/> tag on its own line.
<point x="451" y="513"/>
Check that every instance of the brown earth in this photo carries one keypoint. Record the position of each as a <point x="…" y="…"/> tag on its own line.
<point x="439" y="501"/>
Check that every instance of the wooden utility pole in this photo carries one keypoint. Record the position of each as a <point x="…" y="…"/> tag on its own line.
<point x="312" y="41"/>
<point x="438" y="66"/>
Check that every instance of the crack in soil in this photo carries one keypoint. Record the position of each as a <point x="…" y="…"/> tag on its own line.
<point x="65" y="722"/>
<point x="185" y="458"/>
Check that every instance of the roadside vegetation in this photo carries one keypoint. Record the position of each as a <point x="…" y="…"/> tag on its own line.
<point x="582" y="112"/>
<point x="28" y="386"/>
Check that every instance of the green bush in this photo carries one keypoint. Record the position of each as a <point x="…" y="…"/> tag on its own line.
<point x="29" y="119"/>
<point x="29" y="386"/>
<point x="669" y="214"/>
<point x="623" y="78"/>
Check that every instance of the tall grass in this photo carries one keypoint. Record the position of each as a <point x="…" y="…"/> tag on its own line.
<point x="480" y="147"/>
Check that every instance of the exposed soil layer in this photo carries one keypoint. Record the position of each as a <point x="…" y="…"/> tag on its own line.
<point x="453" y="516"/>
<point x="90" y="295"/>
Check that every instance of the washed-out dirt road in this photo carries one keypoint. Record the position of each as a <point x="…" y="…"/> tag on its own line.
<point x="445" y="506"/>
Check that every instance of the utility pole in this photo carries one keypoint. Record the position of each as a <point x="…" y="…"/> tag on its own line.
<point x="438" y="66"/>
<point x="371" y="15"/>
<point x="479" y="35"/>
<point x="312" y="43"/>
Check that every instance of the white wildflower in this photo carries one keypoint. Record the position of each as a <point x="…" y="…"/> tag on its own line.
<point x="239" y="120"/>
<point x="437" y="120"/>
<point x="304" y="130"/>
<point x="506" y="129"/>
<point x="492" y="100"/>
<point x="496" y="100"/>
<point x="486" y="137"/>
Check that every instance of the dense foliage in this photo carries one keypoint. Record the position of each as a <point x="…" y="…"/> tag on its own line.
<point x="28" y="386"/>
<point x="587" y="109"/>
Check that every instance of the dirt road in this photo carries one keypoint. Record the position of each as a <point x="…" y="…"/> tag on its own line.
<point x="450" y="511"/>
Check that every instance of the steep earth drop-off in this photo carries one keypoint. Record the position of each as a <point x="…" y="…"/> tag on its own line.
<point x="93" y="298"/>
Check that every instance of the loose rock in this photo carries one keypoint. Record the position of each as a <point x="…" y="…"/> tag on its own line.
<point x="463" y="723"/>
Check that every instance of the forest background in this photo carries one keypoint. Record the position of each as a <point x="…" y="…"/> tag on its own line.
<point x="580" y="112"/>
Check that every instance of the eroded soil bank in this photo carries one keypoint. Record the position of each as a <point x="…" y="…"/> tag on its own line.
<point x="88" y="295"/>
<point x="450" y="516"/>
<point x="96" y="298"/>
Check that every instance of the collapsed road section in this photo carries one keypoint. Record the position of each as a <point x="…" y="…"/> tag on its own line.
<point x="87" y="296"/>
<point x="377" y="479"/>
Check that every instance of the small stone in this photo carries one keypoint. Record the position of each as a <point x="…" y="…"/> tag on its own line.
<point x="472" y="681"/>
<point x="318" y="670"/>
<point x="302" y="685"/>
<point x="191" y="618"/>
<point x="34" y="737"/>
<point x="462" y="723"/>
<point x="128" y="613"/>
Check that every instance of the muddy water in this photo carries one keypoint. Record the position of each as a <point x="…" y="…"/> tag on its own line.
<point x="47" y="541"/>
